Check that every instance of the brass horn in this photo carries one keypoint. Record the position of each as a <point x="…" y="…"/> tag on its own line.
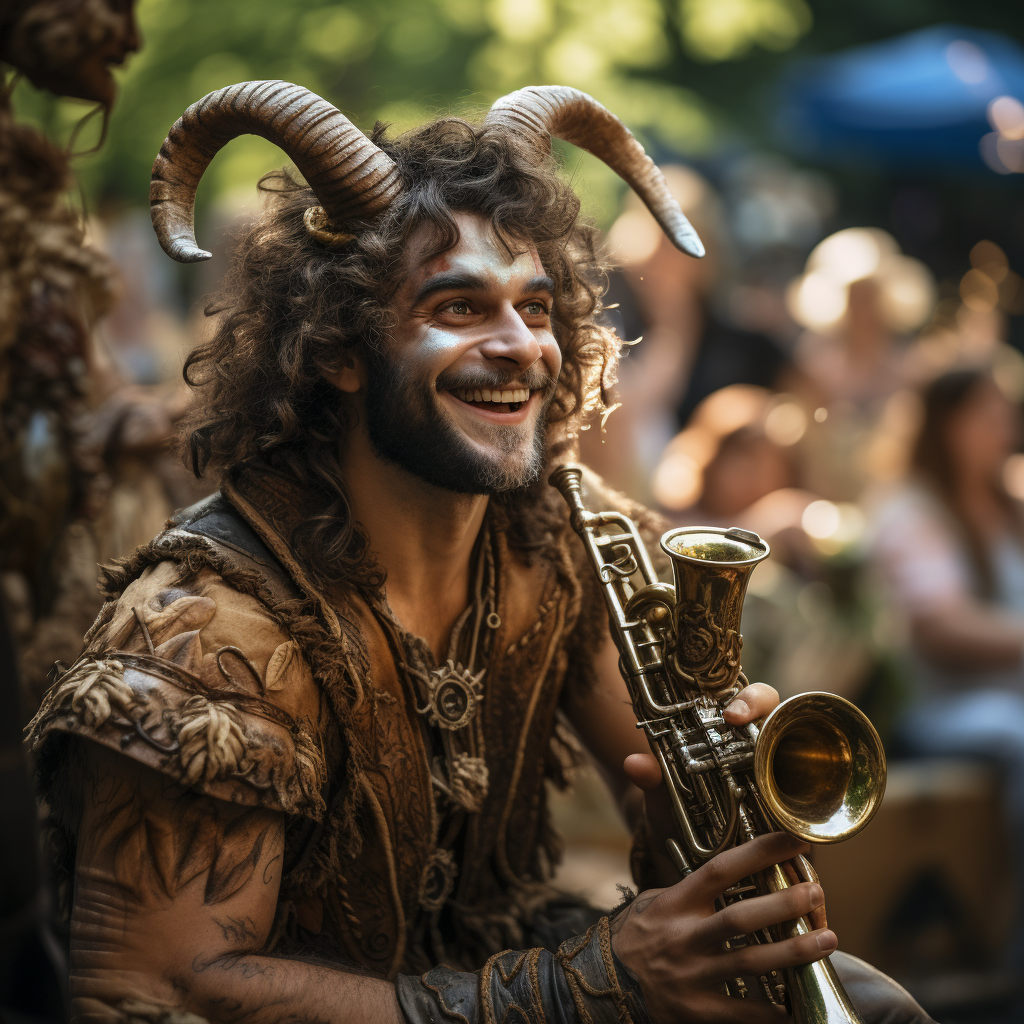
<point x="818" y="762"/>
<point x="819" y="767"/>
<point x="815" y="767"/>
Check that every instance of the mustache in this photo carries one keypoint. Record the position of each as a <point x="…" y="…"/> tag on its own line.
<point x="468" y="377"/>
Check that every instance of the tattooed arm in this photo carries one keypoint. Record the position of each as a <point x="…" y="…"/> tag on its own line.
<point x="174" y="900"/>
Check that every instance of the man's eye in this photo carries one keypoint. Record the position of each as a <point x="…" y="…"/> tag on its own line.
<point x="536" y="309"/>
<point x="459" y="307"/>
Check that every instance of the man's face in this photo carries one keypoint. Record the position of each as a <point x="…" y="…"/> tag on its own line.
<point x="459" y="396"/>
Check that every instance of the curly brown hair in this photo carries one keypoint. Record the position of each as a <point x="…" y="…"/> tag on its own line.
<point x="292" y="307"/>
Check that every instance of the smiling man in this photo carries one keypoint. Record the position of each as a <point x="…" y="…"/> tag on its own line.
<point x="460" y="399"/>
<point x="299" y="772"/>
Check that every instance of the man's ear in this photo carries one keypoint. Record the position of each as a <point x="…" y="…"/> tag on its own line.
<point x="350" y="376"/>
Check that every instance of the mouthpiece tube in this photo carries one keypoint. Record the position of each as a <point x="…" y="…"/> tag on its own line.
<point x="569" y="479"/>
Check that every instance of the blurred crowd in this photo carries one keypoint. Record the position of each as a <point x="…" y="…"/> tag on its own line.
<point x="872" y="434"/>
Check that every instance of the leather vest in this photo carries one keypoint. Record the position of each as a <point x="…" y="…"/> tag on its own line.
<point x="369" y="904"/>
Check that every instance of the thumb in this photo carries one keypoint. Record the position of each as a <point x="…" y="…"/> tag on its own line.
<point x="643" y="771"/>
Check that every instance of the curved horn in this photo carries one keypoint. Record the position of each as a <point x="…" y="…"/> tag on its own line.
<point x="349" y="175"/>
<point x="546" y="110"/>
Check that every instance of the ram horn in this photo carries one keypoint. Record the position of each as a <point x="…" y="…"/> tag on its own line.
<point x="542" y="111"/>
<point x="350" y="176"/>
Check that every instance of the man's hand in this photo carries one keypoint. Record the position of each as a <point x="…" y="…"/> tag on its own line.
<point x="673" y="939"/>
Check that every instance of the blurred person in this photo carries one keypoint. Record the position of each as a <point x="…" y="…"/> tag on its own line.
<point x="53" y="289"/>
<point x="136" y="483"/>
<point x="69" y="46"/>
<point x="300" y="769"/>
<point x="950" y="545"/>
<point x="859" y="299"/>
<point x="689" y="349"/>
<point x="734" y="451"/>
<point x="747" y="467"/>
<point x="738" y="463"/>
<point x="859" y="363"/>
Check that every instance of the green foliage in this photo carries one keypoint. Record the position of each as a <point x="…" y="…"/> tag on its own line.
<point x="726" y="29"/>
<point x="680" y="73"/>
<point x="399" y="61"/>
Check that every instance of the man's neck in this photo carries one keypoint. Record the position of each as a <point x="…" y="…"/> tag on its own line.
<point x="422" y="535"/>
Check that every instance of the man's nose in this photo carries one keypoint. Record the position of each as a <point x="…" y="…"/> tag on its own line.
<point x="510" y="339"/>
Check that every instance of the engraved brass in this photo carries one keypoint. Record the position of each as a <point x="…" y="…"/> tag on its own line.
<point x="814" y="767"/>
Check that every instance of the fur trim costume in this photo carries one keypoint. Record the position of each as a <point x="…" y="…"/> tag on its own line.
<point x="417" y="829"/>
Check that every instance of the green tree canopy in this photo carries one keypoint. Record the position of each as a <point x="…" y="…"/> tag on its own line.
<point x="681" y="73"/>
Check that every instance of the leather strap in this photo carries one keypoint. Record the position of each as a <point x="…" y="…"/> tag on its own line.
<point x="583" y="982"/>
<point x="224" y="528"/>
<point x="214" y="517"/>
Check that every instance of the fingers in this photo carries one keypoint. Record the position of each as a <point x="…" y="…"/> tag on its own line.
<point x="753" y="701"/>
<point x="818" y="917"/>
<point x="757" y="912"/>
<point x="721" y="1009"/>
<point x="712" y="879"/>
<point x="801" y="869"/>
<point x="757" y="959"/>
<point x="643" y="770"/>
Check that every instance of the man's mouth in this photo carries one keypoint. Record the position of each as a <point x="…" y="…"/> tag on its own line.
<point x="493" y="400"/>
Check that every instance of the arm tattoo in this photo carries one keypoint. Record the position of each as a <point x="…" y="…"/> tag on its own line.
<point x="240" y="930"/>
<point x="268" y="871"/>
<point x="243" y="965"/>
<point x="641" y="903"/>
<point x="147" y="846"/>
<point x="154" y="838"/>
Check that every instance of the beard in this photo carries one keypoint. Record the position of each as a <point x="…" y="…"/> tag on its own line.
<point x="406" y="426"/>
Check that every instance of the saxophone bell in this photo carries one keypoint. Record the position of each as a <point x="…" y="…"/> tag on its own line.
<point x="819" y="767"/>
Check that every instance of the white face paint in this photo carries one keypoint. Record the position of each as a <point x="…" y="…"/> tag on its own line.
<point x="460" y="396"/>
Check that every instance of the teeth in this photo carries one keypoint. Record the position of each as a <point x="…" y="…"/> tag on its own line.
<point x="510" y="397"/>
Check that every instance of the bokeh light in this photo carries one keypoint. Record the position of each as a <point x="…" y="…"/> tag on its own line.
<point x="820" y="519"/>
<point x="852" y="254"/>
<point x="978" y="291"/>
<point x="833" y="526"/>
<point x="785" y="424"/>
<point x="818" y="299"/>
<point x="990" y="283"/>
<point x="967" y="61"/>
<point x="1006" y="115"/>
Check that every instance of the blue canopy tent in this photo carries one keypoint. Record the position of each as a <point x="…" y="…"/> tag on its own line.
<point x="920" y="100"/>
